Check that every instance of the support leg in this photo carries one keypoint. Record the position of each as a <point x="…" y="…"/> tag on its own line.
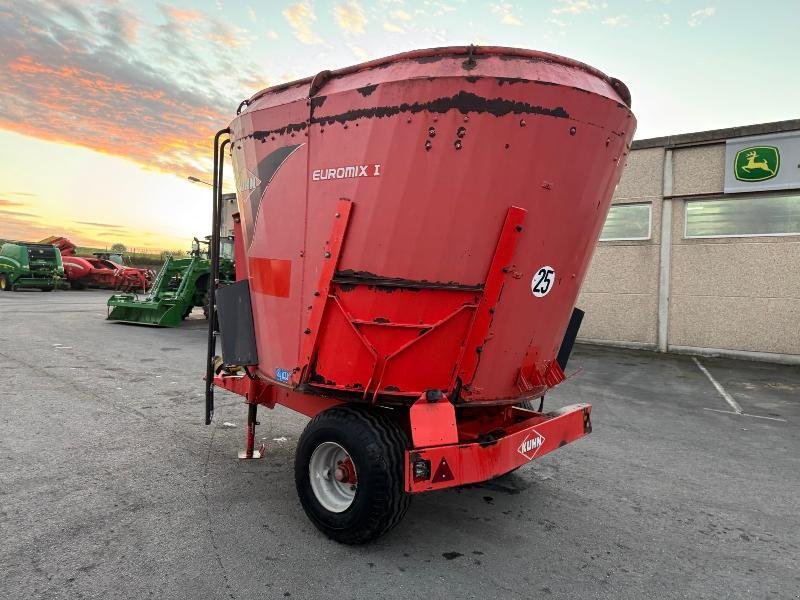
<point x="250" y="439"/>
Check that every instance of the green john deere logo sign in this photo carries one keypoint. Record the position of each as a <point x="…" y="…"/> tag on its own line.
<point x="757" y="163"/>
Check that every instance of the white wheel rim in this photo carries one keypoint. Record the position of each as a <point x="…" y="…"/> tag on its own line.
<point x="333" y="477"/>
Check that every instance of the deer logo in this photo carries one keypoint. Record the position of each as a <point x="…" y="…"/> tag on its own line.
<point x="752" y="163"/>
<point x="757" y="163"/>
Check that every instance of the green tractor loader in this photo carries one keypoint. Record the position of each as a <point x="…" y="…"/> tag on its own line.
<point x="31" y="266"/>
<point x="180" y="285"/>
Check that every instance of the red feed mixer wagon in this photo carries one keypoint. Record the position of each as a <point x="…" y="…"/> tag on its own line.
<point x="411" y="239"/>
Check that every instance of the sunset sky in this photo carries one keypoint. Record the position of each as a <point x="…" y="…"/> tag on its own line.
<point x="107" y="107"/>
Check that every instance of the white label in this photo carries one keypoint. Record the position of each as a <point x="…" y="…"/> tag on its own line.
<point x="543" y="281"/>
<point x="347" y="172"/>
<point x="531" y="444"/>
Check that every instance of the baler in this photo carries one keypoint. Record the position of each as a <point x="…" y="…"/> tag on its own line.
<point x="32" y="266"/>
<point x="411" y="239"/>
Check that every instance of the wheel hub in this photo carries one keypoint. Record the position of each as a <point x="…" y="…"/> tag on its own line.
<point x="345" y="472"/>
<point x="333" y="477"/>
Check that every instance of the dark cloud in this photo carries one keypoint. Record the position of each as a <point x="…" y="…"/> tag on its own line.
<point x="16" y="213"/>
<point x="21" y="227"/>
<point x="97" y="75"/>
<point x="102" y="225"/>
<point x="30" y="227"/>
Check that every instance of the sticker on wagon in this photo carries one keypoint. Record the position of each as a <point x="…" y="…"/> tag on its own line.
<point x="347" y="172"/>
<point x="542" y="281"/>
<point x="531" y="444"/>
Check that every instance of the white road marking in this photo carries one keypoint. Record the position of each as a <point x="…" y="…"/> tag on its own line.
<point x="728" y="398"/>
<point x="730" y="412"/>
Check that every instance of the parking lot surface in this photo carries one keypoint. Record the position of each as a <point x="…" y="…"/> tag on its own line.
<point x="111" y="486"/>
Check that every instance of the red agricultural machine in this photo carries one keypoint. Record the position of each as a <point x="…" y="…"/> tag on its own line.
<point x="411" y="240"/>
<point x="98" y="272"/>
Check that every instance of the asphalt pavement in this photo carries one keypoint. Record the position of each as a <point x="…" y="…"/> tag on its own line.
<point x="111" y="486"/>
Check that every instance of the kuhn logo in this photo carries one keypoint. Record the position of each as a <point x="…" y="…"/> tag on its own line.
<point x="531" y="444"/>
<point x="348" y="172"/>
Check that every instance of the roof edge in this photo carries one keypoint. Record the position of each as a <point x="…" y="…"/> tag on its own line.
<point x="716" y="135"/>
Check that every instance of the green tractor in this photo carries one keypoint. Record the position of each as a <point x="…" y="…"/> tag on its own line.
<point x="32" y="266"/>
<point x="180" y="285"/>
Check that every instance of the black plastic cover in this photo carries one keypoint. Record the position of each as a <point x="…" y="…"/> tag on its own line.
<point x="569" y="338"/>
<point x="235" y="314"/>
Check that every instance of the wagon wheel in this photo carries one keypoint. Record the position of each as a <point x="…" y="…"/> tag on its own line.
<point x="5" y="283"/>
<point x="349" y="474"/>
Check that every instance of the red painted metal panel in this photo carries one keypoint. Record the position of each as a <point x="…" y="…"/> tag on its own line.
<point x="258" y="391"/>
<point x="391" y="340"/>
<point x="280" y="221"/>
<point x="270" y="276"/>
<point x="239" y="255"/>
<point x="481" y="460"/>
<point x="344" y="359"/>
<point x="499" y="270"/>
<point x="255" y="391"/>
<point x="427" y="361"/>
<point x="329" y="257"/>
<point x="432" y="423"/>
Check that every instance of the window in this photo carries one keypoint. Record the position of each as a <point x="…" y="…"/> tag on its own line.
<point x="749" y="216"/>
<point x="627" y="222"/>
<point x="226" y="248"/>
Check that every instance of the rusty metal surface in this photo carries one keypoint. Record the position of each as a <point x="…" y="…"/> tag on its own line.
<point x="432" y="148"/>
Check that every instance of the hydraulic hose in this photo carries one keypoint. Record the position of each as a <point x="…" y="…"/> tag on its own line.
<point x="216" y="211"/>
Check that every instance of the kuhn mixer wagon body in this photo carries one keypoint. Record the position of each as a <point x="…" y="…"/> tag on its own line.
<point x="412" y="237"/>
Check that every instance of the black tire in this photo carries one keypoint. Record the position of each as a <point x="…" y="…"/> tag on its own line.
<point x="76" y="285"/>
<point x="376" y="446"/>
<point x="5" y="283"/>
<point x="46" y="289"/>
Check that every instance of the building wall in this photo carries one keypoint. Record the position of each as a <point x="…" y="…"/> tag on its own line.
<point x="740" y="293"/>
<point x="734" y="293"/>
<point x="620" y="292"/>
<point x="229" y="208"/>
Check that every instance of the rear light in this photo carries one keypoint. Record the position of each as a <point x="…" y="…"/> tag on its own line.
<point x="422" y="469"/>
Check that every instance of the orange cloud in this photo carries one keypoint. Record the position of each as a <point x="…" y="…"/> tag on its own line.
<point x="301" y="18"/>
<point x="184" y="15"/>
<point x="73" y="75"/>
<point x="350" y="17"/>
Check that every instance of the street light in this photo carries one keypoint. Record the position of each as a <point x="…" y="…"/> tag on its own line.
<point x="196" y="180"/>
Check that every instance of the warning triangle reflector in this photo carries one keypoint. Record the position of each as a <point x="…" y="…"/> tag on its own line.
<point x="443" y="472"/>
